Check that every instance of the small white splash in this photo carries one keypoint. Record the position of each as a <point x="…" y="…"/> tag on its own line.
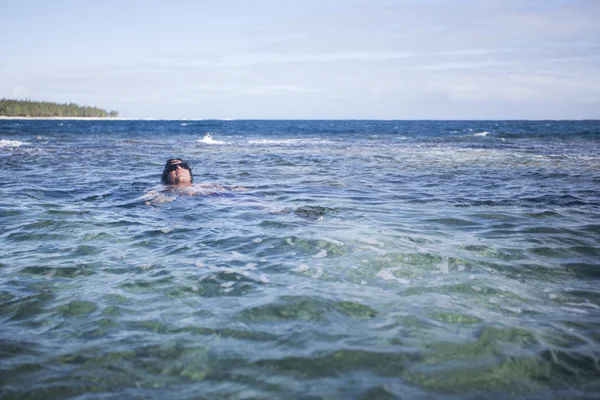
<point x="10" y="143"/>
<point x="263" y="279"/>
<point x="482" y="134"/>
<point x="321" y="254"/>
<point x="333" y="241"/>
<point x="476" y="288"/>
<point x="184" y="124"/>
<point x="166" y="230"/>
<point x="290" y="242"/>
<point x="363" y="282"/>
<point x="199" y="264"/>
<point x="257" y="240"/>
<point x="208" y="139"/>
<point x="301" y="268"/>
<point x="227" y="284"/>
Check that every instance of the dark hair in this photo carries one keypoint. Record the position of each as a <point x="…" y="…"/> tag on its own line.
<point x="165" y="174"/>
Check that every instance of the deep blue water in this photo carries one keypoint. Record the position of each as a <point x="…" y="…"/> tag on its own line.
<point x="310" y="259"/>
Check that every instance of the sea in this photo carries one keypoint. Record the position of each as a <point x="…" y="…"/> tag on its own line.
<point x="308" y="260"/>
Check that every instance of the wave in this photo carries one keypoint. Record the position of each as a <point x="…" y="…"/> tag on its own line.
<point x="274" y="141"/>
<point x="208" y="139"/>
<point x="286" y="142"/>
<point x="482" y="134"/>
<point x="10" y="143"/>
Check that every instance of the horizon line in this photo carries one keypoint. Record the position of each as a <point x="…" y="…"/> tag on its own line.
<point x="283" y="119"/>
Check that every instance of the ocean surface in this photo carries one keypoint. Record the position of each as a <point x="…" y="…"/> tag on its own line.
<point x="309" y="260"/>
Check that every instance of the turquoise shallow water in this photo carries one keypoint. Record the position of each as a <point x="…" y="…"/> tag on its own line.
<point x="362" y="259"/>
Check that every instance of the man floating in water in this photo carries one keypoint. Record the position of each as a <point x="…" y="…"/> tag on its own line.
<point x="177" y="172"/>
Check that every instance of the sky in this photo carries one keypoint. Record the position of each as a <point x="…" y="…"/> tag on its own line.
<point x="309" y="59"/>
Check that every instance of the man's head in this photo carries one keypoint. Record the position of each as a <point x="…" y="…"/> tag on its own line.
<point x="177" y="172"/>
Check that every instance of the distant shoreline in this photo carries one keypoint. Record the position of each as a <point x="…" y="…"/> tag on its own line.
<point x="101" y="119"/>
<point x="70" y="118"/>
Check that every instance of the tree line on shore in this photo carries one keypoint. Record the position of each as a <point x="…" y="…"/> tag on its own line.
<point x="28" y="108"/>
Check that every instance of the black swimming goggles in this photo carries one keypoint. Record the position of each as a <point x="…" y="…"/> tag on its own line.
<point x="173" y="167"/>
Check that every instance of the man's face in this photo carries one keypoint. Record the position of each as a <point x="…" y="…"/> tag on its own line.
<point x="179" y="173"/>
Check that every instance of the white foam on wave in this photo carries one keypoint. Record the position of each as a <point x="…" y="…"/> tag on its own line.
<point x="584" y="304"/>
<point x="333" y="241"/>
<point x="321" y="254"/>
<point x="482" y="134"/>
<point x="208" y="139"/>
<point x="574" y="310"/>
<point x="301" y="268"/>
<point x="274" y="141"/>
<point x="287" y="142"/>
<point x="374" y="249"/>
<point x="10" y="143"/>
<point x="388" y="275"/>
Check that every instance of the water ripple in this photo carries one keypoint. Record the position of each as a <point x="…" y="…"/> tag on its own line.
<point x="360" y="260"/>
